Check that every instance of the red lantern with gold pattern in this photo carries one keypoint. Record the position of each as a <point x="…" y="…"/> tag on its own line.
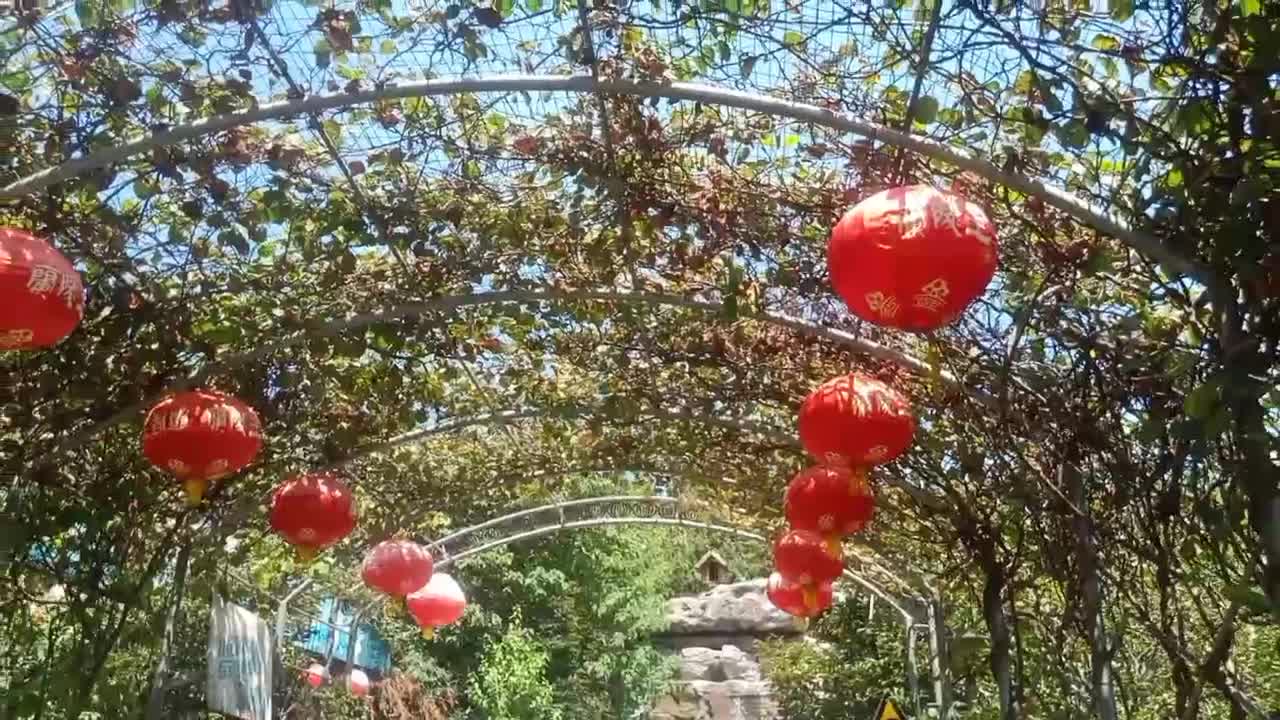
<point x="397" y="567"/>
<point x="804" y="557"/>
<point x="41" y="296"/>
<point x="912" y="257"/>
<point x="855" y="420"/>
<point x="312" y="512"/>
<point x="438" y="603"/>
<point x="201" y="436"/>
<point x="830" y="501"/>
<point x="800" y="600"/>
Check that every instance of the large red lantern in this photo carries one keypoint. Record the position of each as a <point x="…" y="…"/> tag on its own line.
<point x="312" y="512"/>
<point x="855" y="420"/>
<point x="201" y="436"/>
<point x="804" y="557"/>
<point x="358" y="681"/>
<point x="912" y="257"/>
<point x="41" y="297"/>
<point x="796" y="599"/>
<point x="316" y="675"/>
<point x="438" y="603"/>
<point x="397" y="567"/>
<point x="830" y="501"/>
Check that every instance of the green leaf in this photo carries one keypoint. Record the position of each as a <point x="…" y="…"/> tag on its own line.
<point x="387" y="47"/>
<point x="323" y="52"/>
<point x="87" y="13"/>
<point x="1121" y="10"/>
<point x="1249" y="597"/>
<point x="1249" y="8"/>
<point x="1201" y="402"/>
<point x="1106" y="43"/>
<point x="1073" y="134"/>
<point x="794" y="39"/>
<point x="926" y="109"/>
<point x="333" y="129"/>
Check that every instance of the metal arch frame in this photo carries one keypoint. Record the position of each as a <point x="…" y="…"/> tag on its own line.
<point x="915" y="611"/>
<point x="455" y="302"/>
<point x="1070" y="204"/>
<point x="658" y="503"/>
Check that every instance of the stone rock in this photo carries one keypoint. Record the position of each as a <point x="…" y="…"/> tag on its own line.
<point x="739" y="608"/>
<point x="715" y="636"/>
<point x="737" y="665"/>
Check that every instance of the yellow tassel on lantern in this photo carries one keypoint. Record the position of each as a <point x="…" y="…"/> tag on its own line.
<point x="859" y="482"/>
<point x="810" y="598"/>
<point x="194" y="489"/>
<point x="307" y="554"/>
<point x="833" y="545"/>
<point x="429" y="632"/>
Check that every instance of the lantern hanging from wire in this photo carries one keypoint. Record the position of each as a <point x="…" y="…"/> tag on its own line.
<point x="201" y="436"/>
<point x="912" y="257"/>
<point x="41" y="295"/>
<point x="438" y="603"/>
<point x="831" y="501"/>
<point x="397" y="568"/>
<point x="803" y="601"/>
<point x="312" y="512"/>
<point x="855" y="420"/>
<point x="316" y="675"/>
<point x="358" y="682"/>
<point x="806" y="558"/>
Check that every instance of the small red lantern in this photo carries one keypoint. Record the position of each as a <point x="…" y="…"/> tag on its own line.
<point x="803" y="557"/>
<point x="201" y="436"/>
<point x="438" y="603"/>
<point x="830" y="501"/>
<point x="41" y="296"/>
<point x="397" y="567"/>
<point x="312" y="512"/>
<point x="796" y="599"/>
<point x="855" y="420"/>
<point x="316" y="675"/>
<point x="912" y="257"/>
<point x="358" y="682"/>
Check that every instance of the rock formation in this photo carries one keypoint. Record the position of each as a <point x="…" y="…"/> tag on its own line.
<point x="716" y="635"/>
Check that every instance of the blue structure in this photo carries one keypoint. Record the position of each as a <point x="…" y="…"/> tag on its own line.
<point x="372" y="652"/>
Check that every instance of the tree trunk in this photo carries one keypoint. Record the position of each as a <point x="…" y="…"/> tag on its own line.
<point x="1001" y="645"/>
<point x="155" y="702"/>
<point x="1258" y="477"/>
<point x="1101" y="673"/>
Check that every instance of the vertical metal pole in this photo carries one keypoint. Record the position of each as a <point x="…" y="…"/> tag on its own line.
<point x="939" y="652"/>
<point x="155" y="699"/>
<point x="282" y="617"/>
<point x="913" y="667"/>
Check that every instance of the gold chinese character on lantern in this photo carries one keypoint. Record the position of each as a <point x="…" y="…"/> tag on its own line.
<point x="44" y="279"/>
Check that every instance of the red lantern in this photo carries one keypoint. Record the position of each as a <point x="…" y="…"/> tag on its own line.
<point x="803" y="557"/>
<point x="397" y="567"/>
<point x="796" y="599"/>
<point x="201" y="436"/>
<point x="855" y="420"/>
<point x="830" y="501"/>
<point x="316" y="675"/>
<point x="438" y="603"/>
<point x="359" y="683"/>
<point x="312" y="512"/>
<point x="912" y="257"/>
<point x="41" y="297"/>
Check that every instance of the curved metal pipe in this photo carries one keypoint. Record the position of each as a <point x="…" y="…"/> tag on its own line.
<point x="870" y="586"/>
<point x="456" y="302"/>
<point x="697" y="92"/>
